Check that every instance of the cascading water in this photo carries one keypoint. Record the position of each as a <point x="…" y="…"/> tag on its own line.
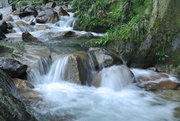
<point x="118" y="99"/>
<point x="116" y="77"/>
<point x="66" y="101"/>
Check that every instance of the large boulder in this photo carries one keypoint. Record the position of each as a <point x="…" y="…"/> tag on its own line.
<point x="27" y="37"/>
<point x="14" y="68"/>
<point x="26" y="11"/>
<point x="104" y="58"/>
<point x="30" y="10"/>
<point x="114" y="77"/>
<point x="47" y="16"/>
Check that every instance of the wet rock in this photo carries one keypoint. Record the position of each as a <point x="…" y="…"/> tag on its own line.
<point x="30" y="10"/>
<point x="115" y="77"/>
<point x="69" y="34"/>
<point x="28" y="93"/>
<point x="24" y="26"/>
<point x="42" y="27"/>
<point x="22" y="84"/>
<point x="3" y="27"/>
<point x="6" y="83"/>
<point x="61" y="11"/>
<point x="163" y="85"/>
<point x="2" y="36"/>
<point x="1" y="16"/>
<point x="83" y="67"/>
<point x="31" y="55"/>
<point x="155" y="77"/>
<point x="12" y="109"/>
<point x="47" y="16"/>
<point x="13" y="68"/>
<point x="51" y="5"/>
<point x="27" y="37"/>
<point x="104" y="58"/>
<point x="32" y="23"/>
<point x="27" y="18"/>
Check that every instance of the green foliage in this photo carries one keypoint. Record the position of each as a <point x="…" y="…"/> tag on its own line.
<point x="128" y="21"/>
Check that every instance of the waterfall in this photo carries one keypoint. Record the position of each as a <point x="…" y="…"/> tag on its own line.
<point x="48" y="72"/>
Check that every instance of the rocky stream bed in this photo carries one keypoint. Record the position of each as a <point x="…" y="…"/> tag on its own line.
<point x="48" y="74"/>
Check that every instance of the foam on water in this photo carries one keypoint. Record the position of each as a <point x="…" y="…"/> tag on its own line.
<point x="104" y="104"/>
<point x="82" y="103"/>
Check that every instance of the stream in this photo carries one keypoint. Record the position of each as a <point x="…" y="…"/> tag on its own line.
<point x="61" y="100"/>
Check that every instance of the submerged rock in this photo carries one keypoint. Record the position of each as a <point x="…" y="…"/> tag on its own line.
<point x="114" y="77"/>
<point x="27" y="37"/>
<point x="42" y="27"/>
<point x="24" y="26"/>
<point x="13" y="68"/>
<point x="163" y="85"/>
<point x="47" y="16"/>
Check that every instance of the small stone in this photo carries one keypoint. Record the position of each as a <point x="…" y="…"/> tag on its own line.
<point x="27" y="37"/>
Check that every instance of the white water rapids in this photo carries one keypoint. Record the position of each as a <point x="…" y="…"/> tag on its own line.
<point x="115" y="100"/>
<point x="82" y="103"/>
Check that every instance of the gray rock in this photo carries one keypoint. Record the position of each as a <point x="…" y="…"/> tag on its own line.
<point x="61" y="11"/>
<point x="47" y="16"/>
<point x="13" y="68"/>
<point x="104" y="58"/>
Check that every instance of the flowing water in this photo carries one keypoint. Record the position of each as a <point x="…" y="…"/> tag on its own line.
<point x="115" y="100"/>
<point x="106" y="103"/>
